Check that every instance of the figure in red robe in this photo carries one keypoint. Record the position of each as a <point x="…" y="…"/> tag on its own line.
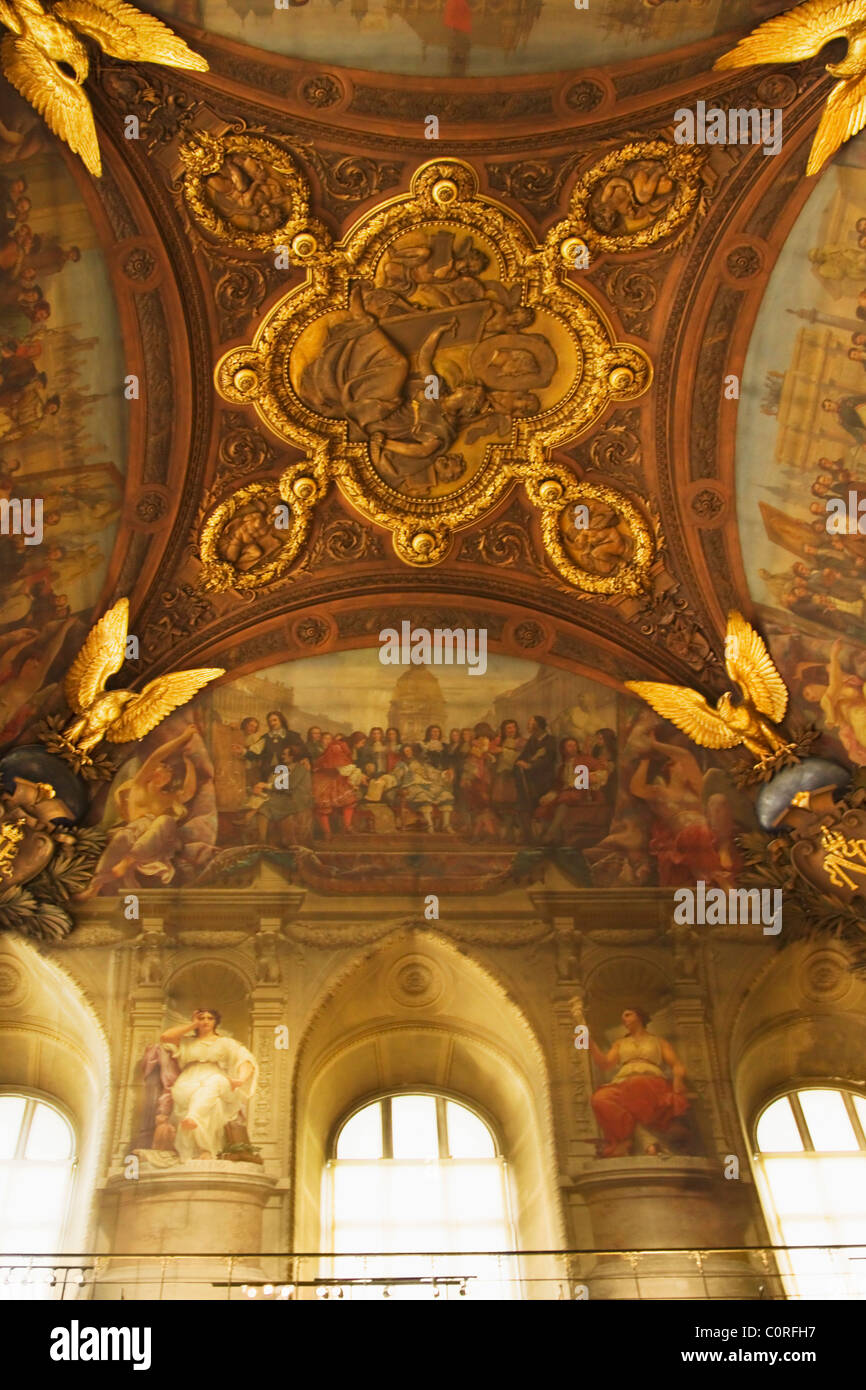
<point x="640" y="1093"/>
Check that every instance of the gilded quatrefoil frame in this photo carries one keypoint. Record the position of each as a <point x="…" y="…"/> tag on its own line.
<point x="443" y="194"/>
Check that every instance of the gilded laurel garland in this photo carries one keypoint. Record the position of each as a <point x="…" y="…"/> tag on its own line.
<point x="242" y="546"/>
<point x="431" y="361"/>
<point x="246" y="191"/>
<point x="643" y="194"/>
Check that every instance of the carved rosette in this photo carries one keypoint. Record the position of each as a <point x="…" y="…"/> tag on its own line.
<point x="584" y="368"/>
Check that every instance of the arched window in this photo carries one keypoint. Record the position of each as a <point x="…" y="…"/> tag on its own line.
<point x="37" y="1162"/>
<point x="419" y="1172"/>
<point x="811" y="1163"/>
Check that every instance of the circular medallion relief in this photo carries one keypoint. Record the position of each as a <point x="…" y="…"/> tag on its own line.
<point x="415" y="981"/>
<point x="14" y="987"/>
<point x="825" y="976"/>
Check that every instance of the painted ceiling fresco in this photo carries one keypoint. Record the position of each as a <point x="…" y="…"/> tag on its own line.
<point x="434" y="659"/>
<point x="488" y="38"/>
<point x="803" y="391"/>
<point x="63" y="418"/>
<point x="426" y="779"/>
<point x="476" y="382"/>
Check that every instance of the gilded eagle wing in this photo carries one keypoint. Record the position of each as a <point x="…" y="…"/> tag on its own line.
<point x="59" y="100"/>
<point x="801" y="33"/>
<point x="749" y="664"/>
<point x="124" y="32"/>
<point x="101" y="656"/>
<point x="158" y="699"/>
<point x="9" y="18"/>
<point x="689" y="711"/>
<point x="844" y="116"/>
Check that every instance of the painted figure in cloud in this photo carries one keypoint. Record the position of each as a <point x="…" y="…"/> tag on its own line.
<point x="168" y="818"/>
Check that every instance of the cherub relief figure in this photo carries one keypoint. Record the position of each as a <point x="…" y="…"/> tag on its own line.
<point x="248" y="194"/>
<point x="435" y="271"/>
<point x="632" y="198"/>
<point x="603" y="545"/>
<point x="248" y="538"/>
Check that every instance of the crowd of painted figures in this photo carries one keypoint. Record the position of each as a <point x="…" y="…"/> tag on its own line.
<point x="826" y="584"/>
<point x="483" y="783"/>
<point x="27" y="260"/>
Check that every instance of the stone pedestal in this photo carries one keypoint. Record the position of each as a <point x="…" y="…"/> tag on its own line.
<point x="189" y="1231"/>
<point x="668" y="1228"/>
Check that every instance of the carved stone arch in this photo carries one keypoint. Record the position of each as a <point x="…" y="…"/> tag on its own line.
<point x="235" y="1004"/>
<point x="804" y="1021"/>
<point x="366" y="1036"/>
<point x="231" y="960"/>
<point x="615" y="982"/>
<point x="53" y="1042"/>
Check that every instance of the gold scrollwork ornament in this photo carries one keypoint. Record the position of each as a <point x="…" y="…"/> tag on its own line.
<point x="431" y="362"/>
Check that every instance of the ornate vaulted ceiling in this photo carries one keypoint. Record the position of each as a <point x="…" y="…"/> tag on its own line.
<point x="637" y="381"/>
<point x="184" y="296"/>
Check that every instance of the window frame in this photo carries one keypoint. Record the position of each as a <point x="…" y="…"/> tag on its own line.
<point x="791" y="1092"/>
<point x="441" y="1096"/>
<point x="34" y="1096"/>
<point x="330" y="1162"/>
<point x="785" y="1256"/>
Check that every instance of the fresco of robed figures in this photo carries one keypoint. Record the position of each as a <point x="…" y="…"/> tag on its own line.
<point x="468" y="37"/>
<point x="62" y="416"/>
<point x="346" y="774"/>
<point x="803" y="415"/>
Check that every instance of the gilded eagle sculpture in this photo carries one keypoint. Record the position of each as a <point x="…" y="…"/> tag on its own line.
<point x="45" y="59"/>
<point x="802" y="33"/>
<point x="120" y="715"/>
<point x="727" y="725"/>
